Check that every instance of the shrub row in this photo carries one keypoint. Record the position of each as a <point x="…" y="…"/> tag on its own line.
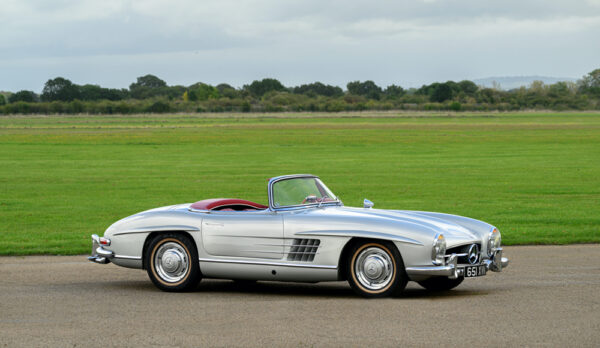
<point x="282" y="103"/>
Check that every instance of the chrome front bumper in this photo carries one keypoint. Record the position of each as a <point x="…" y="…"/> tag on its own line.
<point x="452" y="270"/>
<point x="99" y="255"/>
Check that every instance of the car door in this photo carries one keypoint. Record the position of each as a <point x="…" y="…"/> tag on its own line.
<point x="243" y="234"/>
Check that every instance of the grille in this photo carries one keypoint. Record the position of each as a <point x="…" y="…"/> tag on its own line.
<point x="303" y="250"/>
<point x="463" y="253"/>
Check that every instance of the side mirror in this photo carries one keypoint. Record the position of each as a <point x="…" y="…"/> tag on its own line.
<point x="368" y="204"/>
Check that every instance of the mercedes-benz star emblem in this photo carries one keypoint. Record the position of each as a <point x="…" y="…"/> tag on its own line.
<point x="474" y="254"/>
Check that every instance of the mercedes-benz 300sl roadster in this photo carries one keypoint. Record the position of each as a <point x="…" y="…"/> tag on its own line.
<point x="304" y="234"/>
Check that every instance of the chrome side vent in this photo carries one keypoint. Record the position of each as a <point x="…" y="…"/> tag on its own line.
<point x="303" y="250"/>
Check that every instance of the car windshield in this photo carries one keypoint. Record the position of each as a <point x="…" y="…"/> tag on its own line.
<point x="301" y="191"/>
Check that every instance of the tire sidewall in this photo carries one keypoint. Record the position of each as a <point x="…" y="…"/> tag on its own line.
<point x="399" y="280"/>
<point x="193" y="274"/>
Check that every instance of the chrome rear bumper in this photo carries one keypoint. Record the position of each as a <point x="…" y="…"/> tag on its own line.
<point x="452" y="270"/>
<point x="99" y="255"/>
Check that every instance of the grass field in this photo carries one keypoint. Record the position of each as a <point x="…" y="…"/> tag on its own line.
<point x="535" y="176"/>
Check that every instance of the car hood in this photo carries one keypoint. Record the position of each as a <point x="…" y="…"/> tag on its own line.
<point x="457" y="230"/>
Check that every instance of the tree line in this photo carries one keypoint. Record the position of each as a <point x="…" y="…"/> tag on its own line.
<point x="150" y="94"/>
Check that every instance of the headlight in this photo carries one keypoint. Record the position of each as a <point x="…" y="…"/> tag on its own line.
<point x="438" y="252"/>
<point x="494" y="242"/>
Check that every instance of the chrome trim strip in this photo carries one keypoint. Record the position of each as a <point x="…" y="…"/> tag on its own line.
<point x="289" y="245"/>
<point x="450" y="270"/>
<point x="254" y="211"/>
<point x="103" y="253"/>
<point x="198" y="210"/>
<point x="266" y="263"/>
<point x="261" y="251"/>
<point x="128" y="257"/>
<point x="246" y="236"/>
<point x="457" y="255"/>
<point x="358" y="233"/>
<point x="160" y="228"/>
<point x="309" y="252"/>
<point x="431" y="270"/>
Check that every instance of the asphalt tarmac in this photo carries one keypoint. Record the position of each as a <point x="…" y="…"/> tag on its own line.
<point x="549" y="296"/>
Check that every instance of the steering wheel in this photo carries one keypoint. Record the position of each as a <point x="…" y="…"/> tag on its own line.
<point x="310" y="199"/>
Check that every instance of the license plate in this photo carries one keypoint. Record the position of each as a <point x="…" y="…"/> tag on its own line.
<point x="474" y="271"/>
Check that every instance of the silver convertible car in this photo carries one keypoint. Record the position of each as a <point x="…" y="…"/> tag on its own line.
<point x="305" y="234"/>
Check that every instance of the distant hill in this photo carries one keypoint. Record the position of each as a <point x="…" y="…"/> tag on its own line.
<point x="510" y="82"/>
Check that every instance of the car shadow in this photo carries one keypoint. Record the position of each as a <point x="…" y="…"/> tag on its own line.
<point x="264" y="288"/>
<point x="420" y="293"/>
<point x="268" y="288"/>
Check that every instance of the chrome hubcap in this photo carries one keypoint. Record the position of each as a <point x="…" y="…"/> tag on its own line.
<point x="374" y="268"/>
<point x="171" y="262"/>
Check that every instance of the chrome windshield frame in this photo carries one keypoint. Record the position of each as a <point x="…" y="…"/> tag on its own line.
<point x="272" y="181"/>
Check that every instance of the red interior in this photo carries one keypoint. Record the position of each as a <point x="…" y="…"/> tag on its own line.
<point x="228" y="204"/>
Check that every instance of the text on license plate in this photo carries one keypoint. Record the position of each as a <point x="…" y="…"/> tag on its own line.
<point x="474" y="271"/>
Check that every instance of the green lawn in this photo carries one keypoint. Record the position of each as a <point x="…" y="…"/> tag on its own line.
<point x="535" y="176"/>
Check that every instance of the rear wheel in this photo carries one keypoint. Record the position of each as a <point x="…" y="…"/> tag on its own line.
<point x="173" y="262"/>
<point x="375" y="269"/>
<point x="441" y="283"/>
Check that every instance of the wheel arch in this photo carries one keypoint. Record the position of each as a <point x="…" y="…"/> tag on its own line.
<point x="153" y="234"/>
<point x="343" y="265"/>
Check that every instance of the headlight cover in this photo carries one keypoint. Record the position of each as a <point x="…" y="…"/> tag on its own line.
<point x="494" y="241"/>
<point x="438" y="251"/>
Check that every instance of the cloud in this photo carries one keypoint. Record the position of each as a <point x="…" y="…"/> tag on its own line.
<point x="403" y="41"/>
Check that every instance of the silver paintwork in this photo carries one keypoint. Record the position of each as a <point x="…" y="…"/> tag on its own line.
<point x="268" y="263"/>
<point x="256" y="244"/>
<point x="146" y="229"/>
<point x="362" y="234"/>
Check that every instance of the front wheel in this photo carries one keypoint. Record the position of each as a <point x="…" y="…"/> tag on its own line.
<point x="375" y="269"/>
<point x="172" y="262"/>
<point x="441" y="283"/>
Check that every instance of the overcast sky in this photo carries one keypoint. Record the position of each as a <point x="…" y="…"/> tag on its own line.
<point x="405" y="42"/>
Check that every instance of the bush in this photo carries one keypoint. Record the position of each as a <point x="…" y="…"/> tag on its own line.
<point x="455" y="106"/>
<point x="246" y="106"/>
<point x="74" y="107"/>
<point x="153" y="95"/>
<point x="158" y="107"/>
